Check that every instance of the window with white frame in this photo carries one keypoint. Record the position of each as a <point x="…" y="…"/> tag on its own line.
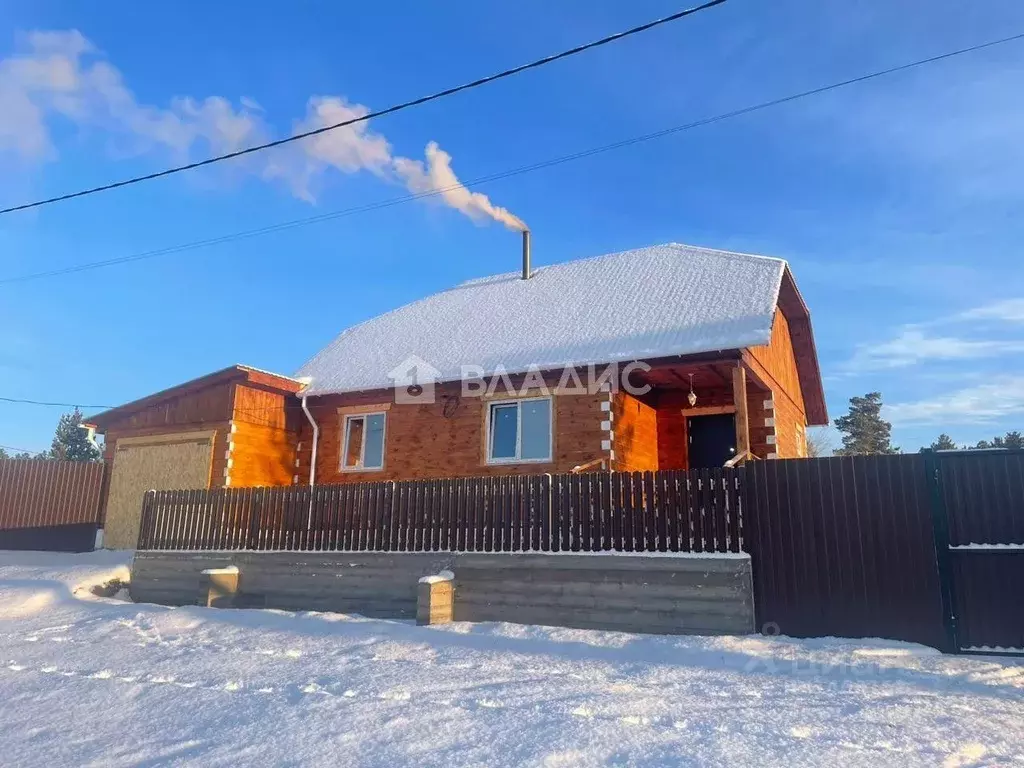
<point x="519" y="430"/>
<point x="363" y="446"/>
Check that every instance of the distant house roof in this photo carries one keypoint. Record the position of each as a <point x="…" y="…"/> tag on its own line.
<point x="653" y="302"/>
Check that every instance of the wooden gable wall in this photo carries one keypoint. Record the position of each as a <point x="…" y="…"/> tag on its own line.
<point x="775" y="364"/>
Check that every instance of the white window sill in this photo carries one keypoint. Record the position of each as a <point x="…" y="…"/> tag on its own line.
<point x="507" y="462"/>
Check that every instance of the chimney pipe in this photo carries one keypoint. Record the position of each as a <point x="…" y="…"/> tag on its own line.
<point x="526" y="254"/>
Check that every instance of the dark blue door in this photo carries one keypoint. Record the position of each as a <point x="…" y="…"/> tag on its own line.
<point x="712" y="440"/>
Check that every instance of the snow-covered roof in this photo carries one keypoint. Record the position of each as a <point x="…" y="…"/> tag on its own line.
<point x="651" y="302"/>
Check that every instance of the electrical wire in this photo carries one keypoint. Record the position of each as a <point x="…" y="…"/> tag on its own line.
<point x="505" y="174"/>
<point x="370" y="115"/>
<point x="17" y="450"/>
<point x="20" y="401"/>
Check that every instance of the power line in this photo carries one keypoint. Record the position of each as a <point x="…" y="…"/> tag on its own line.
<point x="505" y="174"/>
<point x="18" y="450"/>
<point x="255" y="411"/>
<point x="55" y="405"/>
<point x="370" y="115"/>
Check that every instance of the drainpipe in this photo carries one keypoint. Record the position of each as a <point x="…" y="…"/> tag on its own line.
<point x="316" y="438"/>
<point x="312" y="460"/>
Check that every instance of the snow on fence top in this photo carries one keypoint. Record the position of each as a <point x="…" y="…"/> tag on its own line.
<point x="652" y="302"/>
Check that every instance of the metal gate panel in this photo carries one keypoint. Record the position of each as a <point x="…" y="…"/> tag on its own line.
<point x="978" y="499"/>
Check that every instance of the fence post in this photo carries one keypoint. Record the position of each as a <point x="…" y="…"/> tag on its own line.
<point x="943" y="561"/>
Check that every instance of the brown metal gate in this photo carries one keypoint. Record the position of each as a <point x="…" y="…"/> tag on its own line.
<point x="843" y="546"/>
<point x="978" y="505"/>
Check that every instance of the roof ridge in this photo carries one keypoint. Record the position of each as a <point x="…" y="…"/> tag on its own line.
<point x="672" y="244"/>
<point x="724" y="252"/>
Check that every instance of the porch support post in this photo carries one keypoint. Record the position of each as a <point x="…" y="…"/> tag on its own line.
<point x="739" y="397"/>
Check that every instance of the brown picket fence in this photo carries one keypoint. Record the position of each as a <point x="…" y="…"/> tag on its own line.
<point x="666" y="511"/>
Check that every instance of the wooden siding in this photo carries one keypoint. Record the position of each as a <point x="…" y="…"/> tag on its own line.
<point x="255" y="428"/>
<point x="190" y="407"/>
<point x="261" y="455"/>
<point x="673" y="445"/>
<point x="193" y="408"/>
<point x="264" y="437"/>
<point x="779" y="362"/>
<point x="266" y="407"/>
<point x="446" y="438"/>
<point x="635" y="425"/>
<point x="775" y="365"/>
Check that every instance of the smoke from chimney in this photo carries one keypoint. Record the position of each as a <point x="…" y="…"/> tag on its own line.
<point x="437" y="176"/>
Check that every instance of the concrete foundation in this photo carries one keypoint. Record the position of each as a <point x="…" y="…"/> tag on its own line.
<point x="664" y="594"/>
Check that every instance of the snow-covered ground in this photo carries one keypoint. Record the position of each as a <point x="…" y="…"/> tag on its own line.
<point x="98" y="681"/>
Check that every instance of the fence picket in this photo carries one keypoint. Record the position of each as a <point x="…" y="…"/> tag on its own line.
<point x="700" y="517"/>
<point x="699" y="510"/>
<point x="401" y="531"/>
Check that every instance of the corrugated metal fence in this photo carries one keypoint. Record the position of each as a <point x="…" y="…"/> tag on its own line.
<point x="49" y="505"/>
<point x="644" y="512"/>
<point x="845" y="547"/>
<point x="981" y="550"/>
<point x="925" y="547"/>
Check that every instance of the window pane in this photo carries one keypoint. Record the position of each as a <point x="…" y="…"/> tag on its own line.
<point x="503" y="431"/>
<point x="374" y="456"/>
<point x="536" y="440"/>
<point x="354" y="442"/>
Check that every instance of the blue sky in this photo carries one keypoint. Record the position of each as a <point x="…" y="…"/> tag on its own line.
<point x="897" y="202"/>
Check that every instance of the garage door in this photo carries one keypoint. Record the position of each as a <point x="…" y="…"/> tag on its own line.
<point x="167" y="462"/>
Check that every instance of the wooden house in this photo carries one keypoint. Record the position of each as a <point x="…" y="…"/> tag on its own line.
<point x="713" y="359"/>
<point x="729" y="372"/>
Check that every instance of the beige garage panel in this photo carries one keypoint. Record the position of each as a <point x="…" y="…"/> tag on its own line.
<point x="164" y="462"/>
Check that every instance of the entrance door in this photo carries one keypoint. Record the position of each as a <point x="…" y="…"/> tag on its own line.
<point x="712" y="440"/>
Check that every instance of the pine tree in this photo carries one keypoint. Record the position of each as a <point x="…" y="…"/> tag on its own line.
<point x="1013" y="441"/>
<point x="944" y="443"/>
<point x="22" y="455"/>
<point x="71" y="442"/>
<point x="865" y="433"/>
